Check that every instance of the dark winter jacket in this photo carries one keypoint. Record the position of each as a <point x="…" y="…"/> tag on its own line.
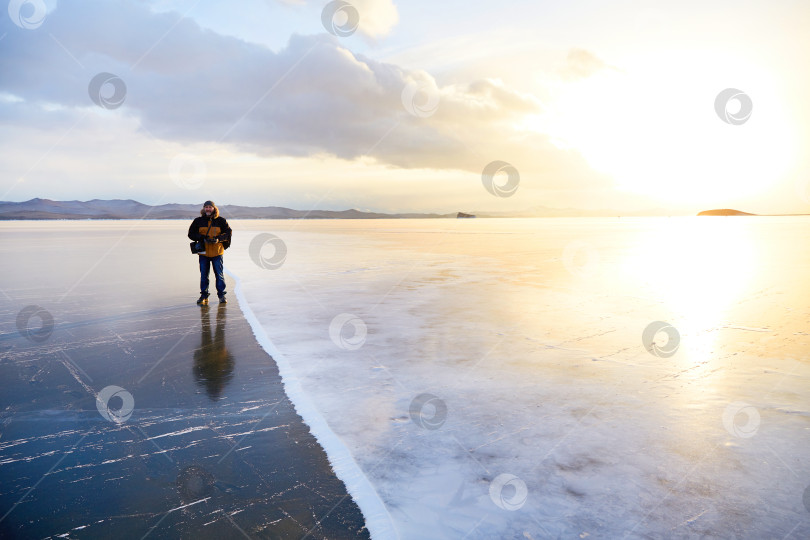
<point x="219" y="230"/>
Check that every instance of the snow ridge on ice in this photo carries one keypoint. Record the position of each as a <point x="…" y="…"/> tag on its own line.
<point x="378" y="520"/>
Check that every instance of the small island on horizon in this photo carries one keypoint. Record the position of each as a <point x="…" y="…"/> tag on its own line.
<point x="725" y="212"/>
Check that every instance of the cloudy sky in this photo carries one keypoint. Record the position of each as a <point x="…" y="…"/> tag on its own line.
<point x="401" y="106"/>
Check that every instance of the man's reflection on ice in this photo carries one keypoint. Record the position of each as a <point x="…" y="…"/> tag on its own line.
<point x="213" y="364"/>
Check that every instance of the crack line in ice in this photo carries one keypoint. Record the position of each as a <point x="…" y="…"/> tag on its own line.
<point x="44" y="475"/>
<point x="71" y="368"/>
<point x="252" y="431"/>
<point x="498" y="439"/>
<point x="244" y="434"/>
<point x="469" y="453"/>
<point x="781" y="460"/>
<point x="228" y="517"/>
<point x="747" y="328"/>
<point x="179" y="341"/>
<point x="175" y="433"/>
<point x="474" y="527"/>
<point x="670" y="491"/>
<point x="169" y="512"/>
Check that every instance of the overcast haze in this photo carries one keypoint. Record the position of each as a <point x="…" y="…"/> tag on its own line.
<point x="595" y="106"/>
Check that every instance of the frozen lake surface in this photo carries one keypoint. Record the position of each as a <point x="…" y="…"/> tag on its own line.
<point x="537" y="378"/>
<point x="130" y="412"/>
<point x="492" y="380"/>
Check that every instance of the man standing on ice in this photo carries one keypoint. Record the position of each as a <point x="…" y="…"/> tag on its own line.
<point x="212" y="228"/>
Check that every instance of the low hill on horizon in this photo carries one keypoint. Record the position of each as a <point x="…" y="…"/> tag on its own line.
<point x="725" y="212"/>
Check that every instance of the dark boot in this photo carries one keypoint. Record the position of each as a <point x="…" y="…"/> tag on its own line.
<point x="222" y="299"/>
<point x="203" y="300"/>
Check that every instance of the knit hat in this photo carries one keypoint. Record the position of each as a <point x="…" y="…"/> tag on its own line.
<point x="209" y="203"/>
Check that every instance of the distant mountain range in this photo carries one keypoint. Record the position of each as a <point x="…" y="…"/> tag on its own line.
<point x="129" y="209"/>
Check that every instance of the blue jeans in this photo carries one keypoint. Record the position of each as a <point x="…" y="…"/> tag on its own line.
<point x="205" y="268"/>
